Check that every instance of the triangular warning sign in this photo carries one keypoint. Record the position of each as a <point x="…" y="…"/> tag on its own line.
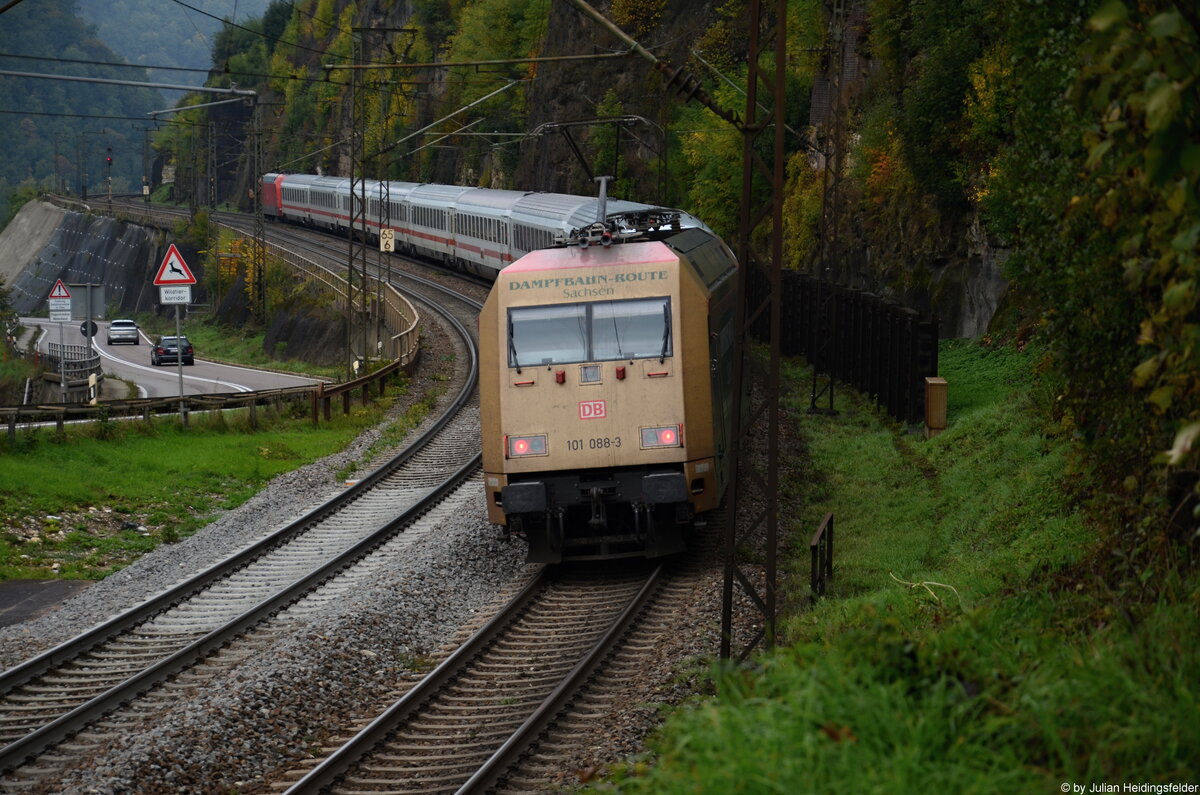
<point x="173" y="269"/>
<point x="59" y="290"/>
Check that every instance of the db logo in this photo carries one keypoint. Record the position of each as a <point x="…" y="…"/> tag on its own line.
<point x="592" y="410"/>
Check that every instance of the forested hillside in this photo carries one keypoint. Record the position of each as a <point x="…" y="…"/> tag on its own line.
<point x="1058" y="142"/>
<point x="53" y="130"/>
<point x="166" y="33"/>
<point x="1047" y="152"/>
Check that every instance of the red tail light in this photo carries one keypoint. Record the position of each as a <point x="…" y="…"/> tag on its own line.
<point x="665" y="436"/>
<point x="520" y="446"/>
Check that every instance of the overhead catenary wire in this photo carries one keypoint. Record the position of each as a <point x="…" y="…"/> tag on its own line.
<point x="243" y="92"/>
<point x="450" y="115"/>
<point x="153" y="67"/>
<point x="259" y="33"/>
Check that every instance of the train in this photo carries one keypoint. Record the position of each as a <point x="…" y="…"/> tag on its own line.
<point x="606" y="352"/>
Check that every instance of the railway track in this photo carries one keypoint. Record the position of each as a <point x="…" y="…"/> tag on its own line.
<point x="465" y="725"/>
<point x="509" y="708"/>
<point x="56" y="695"/>
<point x="507" y="711"/>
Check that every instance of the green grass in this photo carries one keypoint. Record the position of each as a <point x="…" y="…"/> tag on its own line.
<point x="395" y="431"/>
<point x="13" y="374"/>
<point x="964" y="646"/>
<point x="238" y="346"/>
<point x="71" y="506"/>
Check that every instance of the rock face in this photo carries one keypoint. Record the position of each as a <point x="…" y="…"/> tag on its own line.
<point x="305" y="334"/>
<point x="24" y="237"/>
<point x="81" y="249"/>
<point x="570" y="92"/>
<point x="44" y="243"/>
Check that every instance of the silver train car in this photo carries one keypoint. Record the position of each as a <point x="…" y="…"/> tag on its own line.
<point x="478" y="230"/>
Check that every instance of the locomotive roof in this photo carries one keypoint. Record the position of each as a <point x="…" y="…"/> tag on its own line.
<point x="696" y="248"/>
<point x="592" y="257"/>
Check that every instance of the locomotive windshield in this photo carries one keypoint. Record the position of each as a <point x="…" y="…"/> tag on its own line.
<point x="596" y="331"/>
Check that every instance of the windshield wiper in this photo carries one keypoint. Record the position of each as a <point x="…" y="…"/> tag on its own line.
<point x="512" y="346"/>
<point x="662" y="356"/>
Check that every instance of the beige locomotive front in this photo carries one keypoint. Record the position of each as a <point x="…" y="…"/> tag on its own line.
<point x="594" y="383"/>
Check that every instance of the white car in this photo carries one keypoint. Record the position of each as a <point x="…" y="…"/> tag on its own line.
<point x="124" y="331"/>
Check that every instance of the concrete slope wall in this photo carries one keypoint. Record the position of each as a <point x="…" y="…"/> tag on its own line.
<point x="80" y="249"/>
<point x="25" y="236"/>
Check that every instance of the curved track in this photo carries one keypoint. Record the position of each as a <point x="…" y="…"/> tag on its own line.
<point x="506" y="709"/>
<point x="55" y="695"/>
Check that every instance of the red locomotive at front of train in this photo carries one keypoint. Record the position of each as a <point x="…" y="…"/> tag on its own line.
<point x="271" y="202"/>
<point x="605" y="380"/>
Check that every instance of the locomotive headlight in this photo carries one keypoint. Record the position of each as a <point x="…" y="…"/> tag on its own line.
<point x="520" y="446"/>
<point x="666" y="436"/>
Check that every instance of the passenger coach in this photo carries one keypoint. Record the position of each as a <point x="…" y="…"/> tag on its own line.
<point x="477" y="230"/>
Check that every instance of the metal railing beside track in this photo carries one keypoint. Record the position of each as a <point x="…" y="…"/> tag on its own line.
<point x="821" y="550"/>
<point x="320" y="397"/>
<point x="401" y="344"/>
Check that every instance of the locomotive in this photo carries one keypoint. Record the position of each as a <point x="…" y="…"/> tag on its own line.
<point x="606" y="353"/>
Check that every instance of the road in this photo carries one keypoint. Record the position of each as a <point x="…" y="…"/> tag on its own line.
<point x="132" y="363"/>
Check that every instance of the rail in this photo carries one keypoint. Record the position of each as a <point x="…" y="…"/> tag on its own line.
<point x="337" y="764"/>
<point x="821" y="547"/>
<point x="319" y="396"/>
<point x="74" y="362"/>
<point x="16" y="753"/>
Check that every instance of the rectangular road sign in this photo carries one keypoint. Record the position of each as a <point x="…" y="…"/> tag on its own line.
<point x="175" y="294"/>
<point x="60" y="305"/>
<point x="61" y="315"/>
